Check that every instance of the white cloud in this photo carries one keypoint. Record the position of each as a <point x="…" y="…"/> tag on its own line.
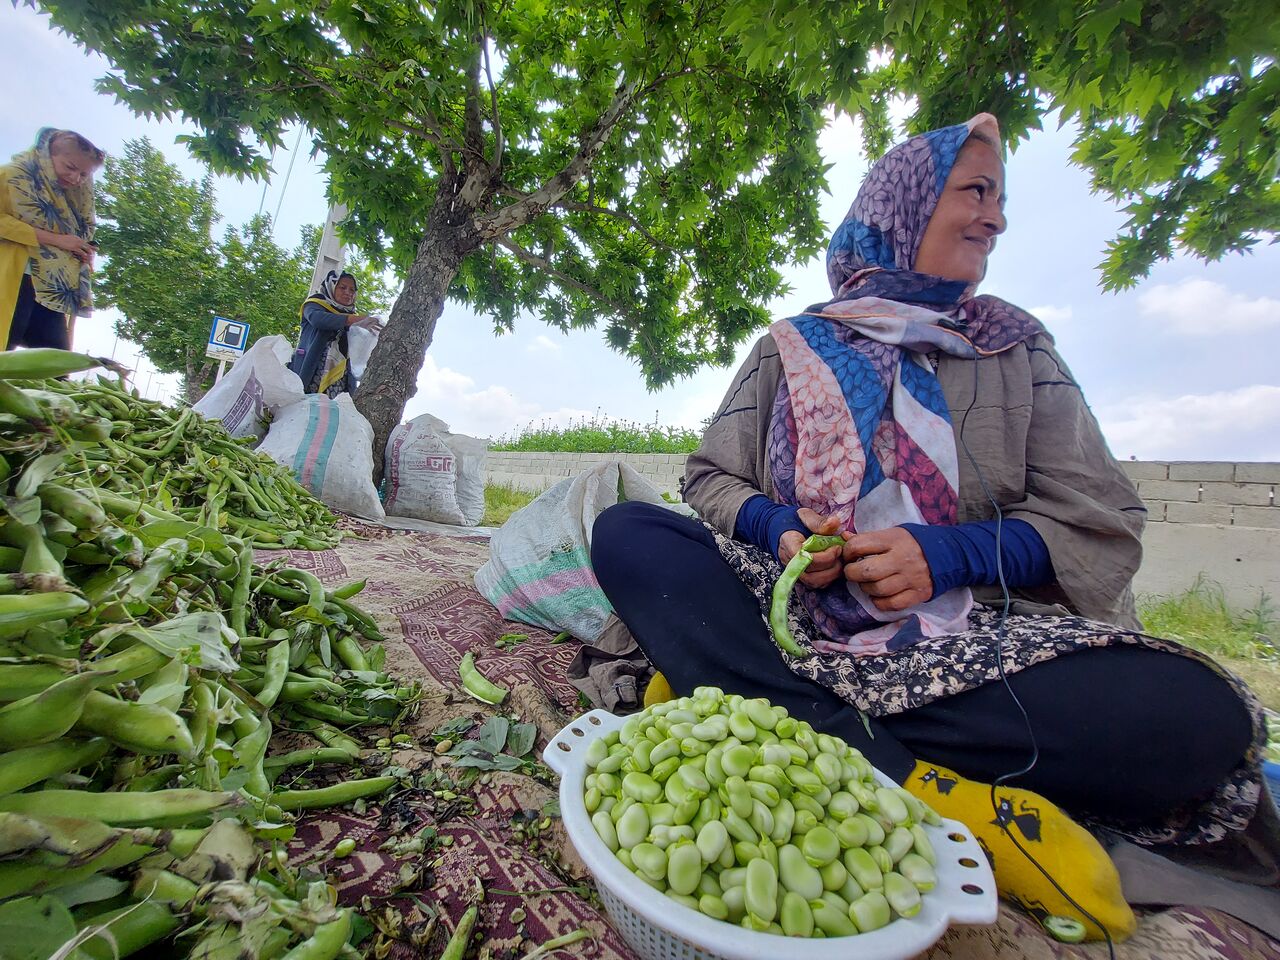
<point x="1197" y="307"/>
<point x="543" y="344"/>
<point x="491" y="411"/>
<point x="1052" y="316"/>
<point x="1240" y="424"/>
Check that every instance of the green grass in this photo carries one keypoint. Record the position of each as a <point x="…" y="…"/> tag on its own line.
<point x="1246" y="643"/>
<point x="501" y="500"/>
<point x="600" y="435"/>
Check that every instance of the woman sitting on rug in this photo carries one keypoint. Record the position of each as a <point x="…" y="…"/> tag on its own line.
<point x="46" y="239"/>
<point x="942" y="436"/>
<point x="326" y="315"/>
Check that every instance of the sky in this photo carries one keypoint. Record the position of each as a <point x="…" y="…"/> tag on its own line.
<point x="1172" y="368"/>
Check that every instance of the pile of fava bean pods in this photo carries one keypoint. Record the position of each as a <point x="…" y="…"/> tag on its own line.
<point x="189" y="466"/>
<point x="146" y="659"/>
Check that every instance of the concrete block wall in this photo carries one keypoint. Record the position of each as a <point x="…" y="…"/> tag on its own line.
<point x="1213" y="518"/>
<point x="1212" y="492"/>
<point x="540" y="471"/>
<point x="1219" y="519"/>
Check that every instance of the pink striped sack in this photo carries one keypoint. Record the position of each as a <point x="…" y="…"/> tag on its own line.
<point x="329" y="447"/>
<point x="539" y="567"/>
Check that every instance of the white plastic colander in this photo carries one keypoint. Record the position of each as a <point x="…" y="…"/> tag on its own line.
<point x="658" y="928"/>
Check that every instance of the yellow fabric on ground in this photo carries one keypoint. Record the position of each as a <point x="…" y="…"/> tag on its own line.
<point x="1065" y="849"/>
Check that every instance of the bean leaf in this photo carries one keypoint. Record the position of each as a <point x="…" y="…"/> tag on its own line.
<point x="35" y="927"/>
<point x="480" y="763"/>
<point x="38" y="471"/>
<point x="199" y="537"/>
<point x="493" y="735"/>
<point x="23" y="509"/>
<point x="521" y="739"/>
<point x="196" y="637"/>
<point x="450" y="727"/>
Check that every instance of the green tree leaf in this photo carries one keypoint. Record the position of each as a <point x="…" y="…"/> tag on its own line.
<point x="647" y="168"/>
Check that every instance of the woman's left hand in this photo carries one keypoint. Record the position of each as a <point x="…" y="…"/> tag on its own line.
<point x="890" y="568"/>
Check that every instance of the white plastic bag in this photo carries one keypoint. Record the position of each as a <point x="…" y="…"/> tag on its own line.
<point x="329" y="447"/>
<point x="433" y="474"/>
<point x="256" y="383"/>
<point x="360" y="343"/>
<point x="539" y="567"/>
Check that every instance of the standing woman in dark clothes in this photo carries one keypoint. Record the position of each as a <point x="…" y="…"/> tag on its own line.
<point x="326" y="315"/>
<point x="46" y="239"/>
<point x="943" y="437"/>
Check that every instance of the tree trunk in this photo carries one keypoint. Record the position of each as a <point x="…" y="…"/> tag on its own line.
<point x="391" y="374"/>
<point x="193" y="381"/>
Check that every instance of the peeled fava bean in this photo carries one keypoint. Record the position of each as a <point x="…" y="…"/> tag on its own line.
<point x="732" y="808"/>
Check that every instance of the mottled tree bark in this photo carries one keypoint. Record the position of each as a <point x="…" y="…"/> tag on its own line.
<point x="193" y="382"/>
<point x="391" y="374"/>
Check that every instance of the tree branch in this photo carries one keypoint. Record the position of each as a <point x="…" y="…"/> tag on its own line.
<point x="430" y="129"/>
<point x="474" y="131"/>
<point x="493" y="94"/>
<point x="546" y="267"/>
<point x="625" y="218"/>
<point x="502" y="222"/>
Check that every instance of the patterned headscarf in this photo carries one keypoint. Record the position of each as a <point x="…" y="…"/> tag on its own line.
<point x="61" y="282"/>
<point x="324" y="295"/>
<point x="860" y="428"/>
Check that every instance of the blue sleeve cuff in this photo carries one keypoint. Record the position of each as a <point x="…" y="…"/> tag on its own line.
<point x="964" y="555"/>
<point x="763" y="522"/>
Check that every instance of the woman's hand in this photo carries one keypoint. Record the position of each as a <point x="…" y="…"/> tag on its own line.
<point x="825" y="568"/>
<point x="369" y="323"/>
<point x="890" y="568"/>
<point x="78" y="248"/>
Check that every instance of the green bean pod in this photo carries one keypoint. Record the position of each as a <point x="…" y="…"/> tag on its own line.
<point x="329" y="938"/>
<point x="130" y="928"/>
<point x="20" y="612"/>
<point x="47" y="715"/>
<point x="141" y="727"/>
<point x="26" y="766"/>
<point x="159" y="808"/>
<point x="334" y="796"/>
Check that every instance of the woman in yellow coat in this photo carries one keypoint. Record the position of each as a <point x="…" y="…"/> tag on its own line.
<point x="46" y="239"/>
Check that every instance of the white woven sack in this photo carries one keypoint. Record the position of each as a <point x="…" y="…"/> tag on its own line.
<point x="433" y="474"/>
<point x="360" y="343"/>
<point x="257" y="383"/>
<point x="329" y="447"/>
<point x="539" y="567"/>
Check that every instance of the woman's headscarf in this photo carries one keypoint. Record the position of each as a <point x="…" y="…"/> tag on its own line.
<point x="860" y="428"/>
<point x="62" y="283"/>
<point x="324" y="294"/>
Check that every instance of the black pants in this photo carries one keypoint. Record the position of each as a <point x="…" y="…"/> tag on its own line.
<point x="35" y="325"/>
<point x="1123" y="732"/>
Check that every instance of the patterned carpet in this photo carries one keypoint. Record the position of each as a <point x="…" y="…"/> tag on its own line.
<point x="419" y="589"/>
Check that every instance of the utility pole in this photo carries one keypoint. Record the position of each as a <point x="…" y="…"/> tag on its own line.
<point x="332" y="254"/>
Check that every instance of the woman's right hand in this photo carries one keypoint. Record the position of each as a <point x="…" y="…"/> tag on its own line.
<point x="826" y="566"/>
<point x="75" y="246"/>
